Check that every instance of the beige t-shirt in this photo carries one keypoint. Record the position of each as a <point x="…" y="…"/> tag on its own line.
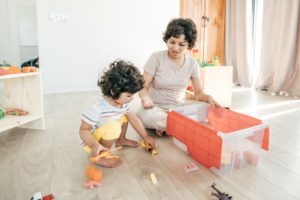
<point x="169" y="82"/>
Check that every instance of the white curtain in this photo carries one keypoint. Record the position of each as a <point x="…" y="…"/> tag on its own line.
<point x="279" y="64"/>
<point x="238" y="40"/>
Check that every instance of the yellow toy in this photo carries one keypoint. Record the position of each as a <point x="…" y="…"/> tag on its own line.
<point x="104" y="154"/>
<point x="148" y="147"/>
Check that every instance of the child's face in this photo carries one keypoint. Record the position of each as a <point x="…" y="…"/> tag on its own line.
<point x="124" y="98"/>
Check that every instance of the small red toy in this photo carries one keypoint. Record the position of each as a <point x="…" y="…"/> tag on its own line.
<point x="38" y="196"/>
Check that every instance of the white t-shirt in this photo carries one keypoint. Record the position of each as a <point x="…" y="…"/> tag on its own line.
<point x="103" y="112"/>
<point x="169" y="83"/>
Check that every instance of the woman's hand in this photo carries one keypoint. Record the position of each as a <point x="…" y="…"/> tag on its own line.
<point x="147" y="103"/>
<point x="213" y="103"/>
<point x="217" y="108"/>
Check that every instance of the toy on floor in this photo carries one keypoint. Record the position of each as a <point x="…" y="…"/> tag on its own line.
<point x="220" y="195"/>
<point x="38" y="196"/>
<point x="153" y="178"/>
<point x="104" y="154"/>
<point x="148" y="147"/>
<point x="190" y="167"/>
<point x="94" y="176"/>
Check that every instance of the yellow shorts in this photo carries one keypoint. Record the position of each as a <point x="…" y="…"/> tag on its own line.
<point x="109" y="131"/>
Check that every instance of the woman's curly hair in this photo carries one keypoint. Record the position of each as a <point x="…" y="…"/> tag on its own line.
<point x="179" y="26"/>
<point x="120" y="77"/>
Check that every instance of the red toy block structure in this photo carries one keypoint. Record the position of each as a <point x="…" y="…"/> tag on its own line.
<point x="208" y="136"/>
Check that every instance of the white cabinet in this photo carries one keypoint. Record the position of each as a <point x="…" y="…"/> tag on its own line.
<point x="23" y="91"/>
<point x="217" y="82"/>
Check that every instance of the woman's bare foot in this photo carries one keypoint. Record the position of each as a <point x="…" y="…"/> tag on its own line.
<point x="126" y="142"/>
<point x="159" y="133"/>
<point x="111" y="161"/>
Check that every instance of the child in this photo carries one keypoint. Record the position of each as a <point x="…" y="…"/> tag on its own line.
<point x="106" y="123"/>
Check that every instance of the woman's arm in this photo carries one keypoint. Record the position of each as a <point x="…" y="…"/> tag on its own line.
<point x="87" y="138"/>
<point x="199" y="94"/>
<point x="143" y="94"/>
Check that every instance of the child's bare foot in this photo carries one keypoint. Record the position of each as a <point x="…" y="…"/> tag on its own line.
<point x="126" y="142"/>
<point x="112" y="161"/>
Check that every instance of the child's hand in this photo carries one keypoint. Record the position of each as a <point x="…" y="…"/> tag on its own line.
<point x="150" y="140"/>
<point x="95" y="150"/>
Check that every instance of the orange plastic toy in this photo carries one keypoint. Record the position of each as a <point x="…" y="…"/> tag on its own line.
<point x="104" y="154"/>
<point x="94" y="176"/>
<point x="2" y="71"/>
<point x="28" y="69"/>
<point x="13" y="70"/>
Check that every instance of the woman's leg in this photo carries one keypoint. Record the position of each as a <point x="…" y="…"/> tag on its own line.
<point x="154" y="118"/>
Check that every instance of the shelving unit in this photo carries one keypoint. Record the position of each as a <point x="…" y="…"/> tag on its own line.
<point x="22" y="91"/>
<point x="217" y="82"/>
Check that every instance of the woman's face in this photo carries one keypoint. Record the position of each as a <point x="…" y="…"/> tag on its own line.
<point x="177" y="46"/>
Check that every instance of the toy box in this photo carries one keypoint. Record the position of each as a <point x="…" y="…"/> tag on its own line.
<point x="222" y="143"/>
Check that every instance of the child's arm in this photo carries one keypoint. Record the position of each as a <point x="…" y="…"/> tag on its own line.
<point x="87" y="138"/>
<point x="138" y="126"/>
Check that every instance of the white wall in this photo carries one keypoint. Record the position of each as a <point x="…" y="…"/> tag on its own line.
<point x="92" y="33"/>
<point x="17" y="31"/>
<point x="5" y="45"/>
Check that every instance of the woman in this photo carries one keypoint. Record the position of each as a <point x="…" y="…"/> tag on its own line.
<point x="168" y="73"/>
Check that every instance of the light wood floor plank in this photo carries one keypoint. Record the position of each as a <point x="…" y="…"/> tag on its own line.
<point x="52" y="160"/>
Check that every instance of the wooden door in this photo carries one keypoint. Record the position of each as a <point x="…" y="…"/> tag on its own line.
<point x="209" y="16"/>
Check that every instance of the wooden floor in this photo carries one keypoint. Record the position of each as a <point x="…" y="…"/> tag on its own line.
<point x="52" y="161"/>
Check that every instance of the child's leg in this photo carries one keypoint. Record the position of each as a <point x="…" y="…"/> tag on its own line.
<point x="107" y="135"/>
<point x="108" y="162"/>
<point x="122" y="140"/>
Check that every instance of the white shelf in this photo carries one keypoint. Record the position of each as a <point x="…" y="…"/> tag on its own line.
<point x="10" y="121"/>
<point x="22" y="91"/>
<point x="217" y="82"/>
<point x="10" y="76"/>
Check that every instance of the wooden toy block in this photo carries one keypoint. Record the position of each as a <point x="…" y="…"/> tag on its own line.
<point x="153" y="178"/>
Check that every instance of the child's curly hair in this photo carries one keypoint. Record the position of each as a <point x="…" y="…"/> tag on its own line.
<point x="121" y="77"/>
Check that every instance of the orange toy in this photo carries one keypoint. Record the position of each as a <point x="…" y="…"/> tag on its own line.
<point x="94" y="176"/>
<point x="2" y="71"/>
<point x="13" y="70"/>
<point x="15" y="111"/>
<point x="28" y="69"/>
<point x="104" y="154"/>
